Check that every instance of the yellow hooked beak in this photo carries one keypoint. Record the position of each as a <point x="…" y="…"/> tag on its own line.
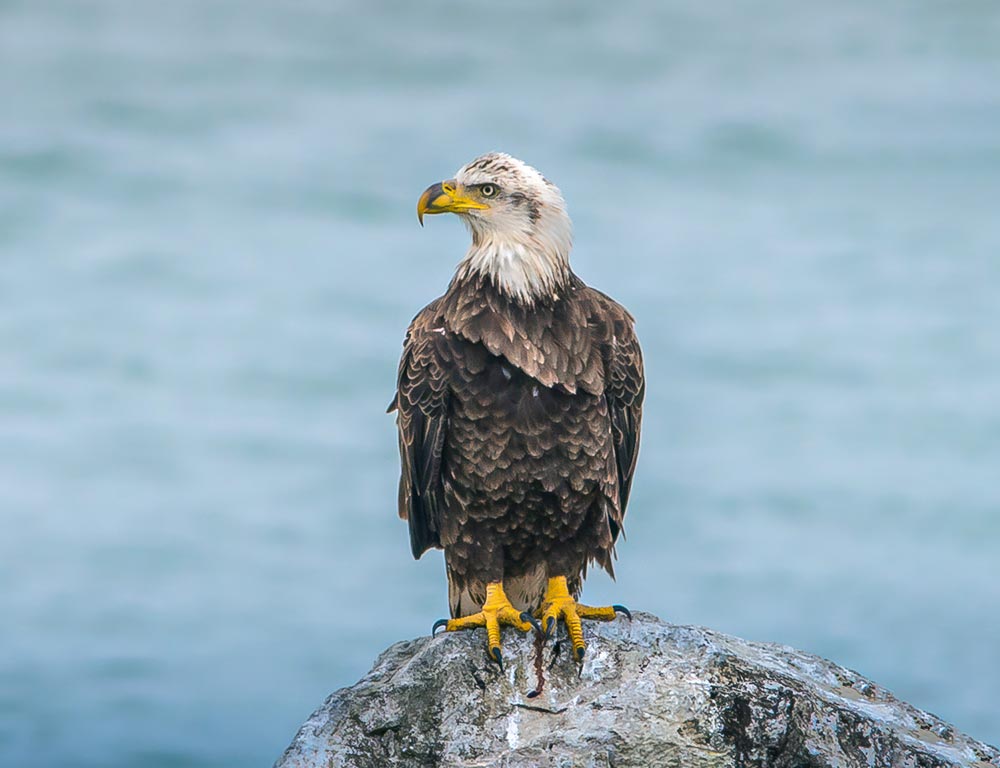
<point x="445" y="197"/>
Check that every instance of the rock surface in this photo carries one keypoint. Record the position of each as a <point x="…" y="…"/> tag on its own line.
<point x="649" y="694"/>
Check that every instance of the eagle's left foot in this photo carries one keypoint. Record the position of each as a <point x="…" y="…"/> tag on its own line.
<point x="559" y="604"/>
<point x="497" y="610"/>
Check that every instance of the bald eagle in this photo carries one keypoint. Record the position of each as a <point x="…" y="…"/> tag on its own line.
<point x="519" y="403"/>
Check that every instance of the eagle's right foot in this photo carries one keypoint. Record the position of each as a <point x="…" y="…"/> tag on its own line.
<point x="497" y="610"/>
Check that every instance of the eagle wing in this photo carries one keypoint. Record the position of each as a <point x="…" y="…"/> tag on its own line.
<point x="421" y="403"/>
<point x="625" y="387"/>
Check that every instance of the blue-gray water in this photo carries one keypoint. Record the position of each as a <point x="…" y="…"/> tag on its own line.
<point x="209" y="254"/>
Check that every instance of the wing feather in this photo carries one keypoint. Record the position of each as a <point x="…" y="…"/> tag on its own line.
<point x="625" y="388"/>
<point x="421" y="403"/>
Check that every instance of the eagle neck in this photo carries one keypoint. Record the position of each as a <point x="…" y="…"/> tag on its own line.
<point x="525" y="268"/>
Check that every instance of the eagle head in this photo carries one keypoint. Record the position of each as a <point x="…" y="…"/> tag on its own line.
<point x="521" y="233"/>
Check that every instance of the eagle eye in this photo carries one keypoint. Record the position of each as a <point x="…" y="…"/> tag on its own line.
<point x="488" y="190"/>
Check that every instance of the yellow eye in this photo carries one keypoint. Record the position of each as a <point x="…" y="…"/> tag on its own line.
<point x="488" y="190"/>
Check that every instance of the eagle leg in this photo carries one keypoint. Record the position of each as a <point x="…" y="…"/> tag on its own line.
<point x="559" y="604"/>
<point x="497" y="610"/>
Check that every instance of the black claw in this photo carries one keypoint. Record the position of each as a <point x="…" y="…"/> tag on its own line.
<point x="623" y="609"/>
<point x="579" y="654"/>
<point x="550" y="626"/>
<point x="497" y="657"/>
<point x="532" y="621"/>
<point x="437" y="625"/>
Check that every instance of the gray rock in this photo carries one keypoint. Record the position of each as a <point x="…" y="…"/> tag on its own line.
<point x="648" y="694"/>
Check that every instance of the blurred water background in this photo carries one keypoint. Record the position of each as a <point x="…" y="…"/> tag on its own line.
<point x="209" y="254"/>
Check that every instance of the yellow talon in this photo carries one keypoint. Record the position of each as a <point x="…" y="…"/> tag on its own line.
<point x="497" y="610"/>
<point x="559" y="604"/>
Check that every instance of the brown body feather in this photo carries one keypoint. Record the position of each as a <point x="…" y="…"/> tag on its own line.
<point x="518" y="433"/>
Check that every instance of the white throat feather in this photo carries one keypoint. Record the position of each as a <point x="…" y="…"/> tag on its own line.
<point x="525" y="267"/>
